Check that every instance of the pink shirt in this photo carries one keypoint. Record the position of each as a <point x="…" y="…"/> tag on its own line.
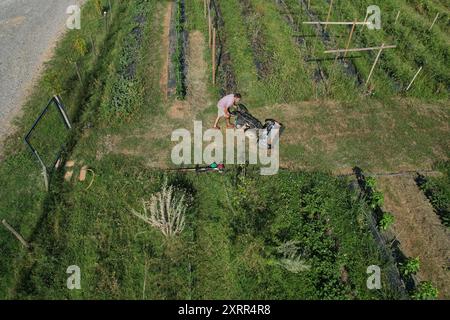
<point x="226" y="102"/>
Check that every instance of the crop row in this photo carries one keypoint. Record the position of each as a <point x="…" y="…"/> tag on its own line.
<point x="416" y="46"/>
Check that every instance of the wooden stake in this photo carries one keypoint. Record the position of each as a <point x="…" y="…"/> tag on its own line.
<point x="434" y="21"/>
<point x="349" y="38"/>
<point x="359" y="49"/>
<point x="16" y="234"/>
<point x="343" y="23"/>
<point x="375" y="63"/>
<point x="412" y="81"/>
<point x="329" y="13"/>
<point x="365" y="19"/>
<point x="396" y="18"/>
<point x="83" y="173"/>
<point x="214" y="57"/>
<point x="204" y="7"/>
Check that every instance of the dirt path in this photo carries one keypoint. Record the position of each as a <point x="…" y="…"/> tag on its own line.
<point x="419" y="230"/>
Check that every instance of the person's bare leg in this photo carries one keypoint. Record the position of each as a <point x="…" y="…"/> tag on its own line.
<point x="229" y="125"/>
<point x="216" y="124"/>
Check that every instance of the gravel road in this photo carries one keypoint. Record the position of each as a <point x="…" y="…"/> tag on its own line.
<point x="28" y="31"/>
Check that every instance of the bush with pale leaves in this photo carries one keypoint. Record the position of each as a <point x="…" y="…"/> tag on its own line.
<point x="165" y="210"/>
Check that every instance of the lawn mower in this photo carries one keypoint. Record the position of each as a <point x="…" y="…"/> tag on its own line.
<point x="244" y="119"/>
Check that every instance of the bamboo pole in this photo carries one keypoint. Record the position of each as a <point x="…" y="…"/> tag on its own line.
<point x="367" y="16"/>
<point x="375" y="63"/>
<point x="396" y="18"/>
<point x="434" y="21"/>
<point x="16" y="234"/>
<point x="337" y="22"/>
<point x="359" y="49"/>
<point x="214" y="57"/>
<point x="415" y="76"/>
<point x="329" y="13"/>
<point x="349" y="38"/>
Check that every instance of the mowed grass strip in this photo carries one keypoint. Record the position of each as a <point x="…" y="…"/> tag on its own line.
<point x="391" y="136"/>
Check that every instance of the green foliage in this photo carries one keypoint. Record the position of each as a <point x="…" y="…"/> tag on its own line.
<point x="371" y="182"/>
<point x="51" y="81"/>
<point x="377" y="199"/>
<point x="437" y="190"/>
<point x="386" y="221"/>
<point x="179" y="56"/>
<point x="99" y="7"/>
<point x="123" y="93"/>
<point x="311" y="227"/>
<point x="410" y="266"/>
<point x="80" y="46"/>
<point x="425" y="291"/>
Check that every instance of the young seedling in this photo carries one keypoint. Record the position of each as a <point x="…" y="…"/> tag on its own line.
<point x="410" y="267"/>
<point x="386" y="221"/>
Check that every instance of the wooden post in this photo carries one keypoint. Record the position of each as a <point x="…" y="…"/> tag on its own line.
<point x="364" y="23"/>
<point x="16" y="234"/>
<point x="349" y="38"/>
<point x="367" y="16"/>
<point x="434" y="21"/>
<point x="214" y="57"/>
<point x="396" y="18"/>
<point x="359" y="49"/>
<point x="375" y="63"/>
<point x="204" y="7"/>
<point x="415" y="76"/>
<point x="329" y="13"/>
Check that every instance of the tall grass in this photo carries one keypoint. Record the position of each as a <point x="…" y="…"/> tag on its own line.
<point x="24" y="203"/>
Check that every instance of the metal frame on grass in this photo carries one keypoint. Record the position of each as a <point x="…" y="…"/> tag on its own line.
<point x="56" y="100"/>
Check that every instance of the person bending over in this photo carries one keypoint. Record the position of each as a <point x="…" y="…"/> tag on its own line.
<point x="223" y="105"/>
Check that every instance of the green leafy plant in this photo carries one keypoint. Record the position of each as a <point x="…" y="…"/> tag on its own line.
<point x="80" y="47"/>
<point x="410" y="267"/>
<point x="371" y="182"/>
<point x="386" y="221"/>
<point x="178" y="57"/>
<point x="425" y="291"/>
<point x="437" y="190"/>
<point x="377" y="199"/>
<point x="99" y="7"/>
